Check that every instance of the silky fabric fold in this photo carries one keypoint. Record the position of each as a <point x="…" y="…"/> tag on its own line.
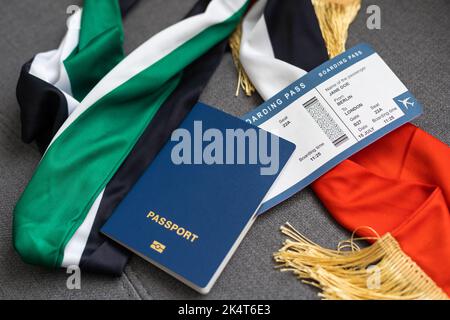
<point x="52" y="83"/>
<point x="399" y="184"/>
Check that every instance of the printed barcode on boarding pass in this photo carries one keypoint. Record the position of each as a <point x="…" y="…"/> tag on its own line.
<point x="325" y="121"/>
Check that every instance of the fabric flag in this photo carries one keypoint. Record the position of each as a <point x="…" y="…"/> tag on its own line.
<point x="404" y="197"/>
<point x="57" y="218"/>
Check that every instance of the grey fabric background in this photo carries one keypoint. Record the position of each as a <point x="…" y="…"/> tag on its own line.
<point x="414" y="40"/>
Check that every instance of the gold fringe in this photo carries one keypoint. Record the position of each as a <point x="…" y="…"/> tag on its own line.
<point x="243" y="80"/>
<point x="335" y="17"/>
<point x="345" y="274"/>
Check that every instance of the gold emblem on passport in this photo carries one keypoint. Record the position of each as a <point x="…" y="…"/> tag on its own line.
<point x="158" y="246"/>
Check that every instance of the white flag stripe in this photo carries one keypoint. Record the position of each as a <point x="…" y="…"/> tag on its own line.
<point x="268" y="74"/>
<point x="75" y="247"/>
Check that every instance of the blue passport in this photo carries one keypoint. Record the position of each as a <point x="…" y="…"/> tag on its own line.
<point x="193" y="205"/>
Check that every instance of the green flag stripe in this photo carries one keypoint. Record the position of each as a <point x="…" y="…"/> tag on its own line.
<point x="99" y="48"/>
<point x="98" y="16"/>
<point x="81" y="161"/>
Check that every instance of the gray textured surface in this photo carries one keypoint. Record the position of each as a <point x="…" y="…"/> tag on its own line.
<point x="414" y="41"/>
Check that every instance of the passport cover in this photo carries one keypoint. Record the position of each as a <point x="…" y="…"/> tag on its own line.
<point x="188" y="219"/>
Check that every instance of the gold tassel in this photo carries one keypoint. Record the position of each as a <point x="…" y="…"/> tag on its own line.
<point x="335" y="17"/>
<point x="352" y="274"/>
<point x="243" y="80"/>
